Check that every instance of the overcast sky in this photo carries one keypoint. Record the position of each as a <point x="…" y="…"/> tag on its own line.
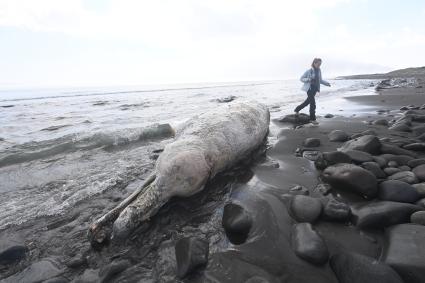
<point x="122" y="42"/>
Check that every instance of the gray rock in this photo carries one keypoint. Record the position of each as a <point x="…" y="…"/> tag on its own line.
<point x="391" y="171"/>
<point x="367" y="143"/>
<point x="394" y="190"/>
<point x="109" y="271"/>
<point x="404" y="176"/>
<point x="375" y="169"/>
<point x="301" y="118"/>
<point x="419" y="130"/>
<point x="381" y="161"/>
<point x="380" y="122"/>
<point x="351" y="177"/>
<point x="355" y="268"/>
<point x="416" y="162"/>
<point x="420" y="189"/>
<point x="334" y="157"/>
<point x="400" y="159"/>
<point x="418" y="217"/>
<point x="336" y="210"/>
<point x="405" y="251"/>
<point x="358" y="156"/>
<point x="392" y="163"/>
<point x="329" y="115"/>
<point x="88" y="276"/>
<point x="417" y="146"/>
<point x="191" y="253"/>
<point x="308" y="244"/>
<point x="311" y="142"/>
<point x="419" y="171"/>
<point x="37" y="272"/>
<point x="404" y="168"/>
<point x="382" y="213"/>
<point x="338" y="136"/>
<point x="237" y="223"/>
<point x="421" y="203"/>
<point x="392" y="149"/>
<point x="305" y="208"/>
<point x="400" y="127"/>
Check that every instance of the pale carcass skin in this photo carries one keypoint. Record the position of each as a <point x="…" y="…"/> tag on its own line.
<point x="208" y="144"/>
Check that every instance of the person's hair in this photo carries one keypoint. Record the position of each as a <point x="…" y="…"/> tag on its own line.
<point x="315" y="60"/>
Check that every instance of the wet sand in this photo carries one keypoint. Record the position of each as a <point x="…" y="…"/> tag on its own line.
<point x="262" y="186"/>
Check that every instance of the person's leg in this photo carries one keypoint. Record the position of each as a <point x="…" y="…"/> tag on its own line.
<point x="302" y="105"/>
<point x="312" y="107"/>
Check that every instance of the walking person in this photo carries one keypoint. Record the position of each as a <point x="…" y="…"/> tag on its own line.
<point x="312" y="78"/>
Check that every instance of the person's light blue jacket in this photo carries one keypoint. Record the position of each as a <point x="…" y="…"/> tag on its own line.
<point x="307" y="77"/>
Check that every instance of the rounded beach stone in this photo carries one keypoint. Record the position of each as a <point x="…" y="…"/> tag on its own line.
<point x="358" y="156"/>
<point x="405" y="176"/>
<point x="367" y="143"/>
<point x="400" y="127"/>
<point x="375" y="169"/>
<point x="311" y="142"/>
<point x="416" y="162"/>
<point x="391" y="170"/>
<point x="421" y="203"/>
<point x="329" y="115"/>
<point x="420" y="188"/>
<point x="334" y="157"/>
<point x="392" y="163"/>
<point x="308" y="244"/>
<point x="336" y="210"/>
<point x="355" y="268"/>
<point x="393" y="149"/>
<point x="394" y="190"/>
<point x="305" y="208"/>
<point x="419" y="171"/>
<point x="404" y="168"/>
<point x="418" y="217"/>
<point x="380" y="160"/>
<point x="351" y="177"/>
<point x="381" y="122"/>
<point x="338" y="136"/>
<point x="237" y="223"/>
<point x="400" y="159"/>
<point x="191" y="253"/>
<point x="417" y="146"/>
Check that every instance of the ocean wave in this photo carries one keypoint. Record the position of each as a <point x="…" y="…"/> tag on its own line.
<point x="78" y="94"/>
<point x="70" y="143"/>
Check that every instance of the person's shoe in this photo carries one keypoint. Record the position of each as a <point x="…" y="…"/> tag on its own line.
<point x="314" y="122"/>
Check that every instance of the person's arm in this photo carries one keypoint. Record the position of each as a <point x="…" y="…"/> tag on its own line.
<point x="305" y="78"/>
<point x="323" y="82"/>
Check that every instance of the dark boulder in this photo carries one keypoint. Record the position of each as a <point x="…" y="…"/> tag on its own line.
<point x="394" y="190"/>
<point x="329" y="115"/>
<point x="108" y="272"/>
<point x="191" y="253"/>
<point x="355" y="268"/>
<point x="336" y="210"/>
<point x="418" y="218"/>
<point x="358" y="156"/>
<point x="338" y="136"/>
<point x="382" y="213"/>
<point x="305" y="208"/>
<point x="351" y="177"/>
<point x="400" y="159"/>
<point x="400" y="127"/>
<point x="391" y="170"/>
<point x="419" y="171"/>
<point x="404" y="176"/>
<point x="405" y="251"/>
<point x="12" y="251"/>
<point x="308" y="244"/>
<point x="334" y="157"/>
<point x="375" y="169"/>
<point x="417" y="146"/>
<point x="416" y="162"/>
<point x="37" y="272"/>
<point x="301" y="118"/>
<point x="392" y="149"/>
<point x="380" y="160"/>
<point x="420" y="189"/>
<point x="367" y="143"/>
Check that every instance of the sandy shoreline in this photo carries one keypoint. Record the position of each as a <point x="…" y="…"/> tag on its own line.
<point x="59" y="247"/>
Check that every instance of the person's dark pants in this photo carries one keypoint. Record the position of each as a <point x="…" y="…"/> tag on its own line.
<point x="310" y="100"/>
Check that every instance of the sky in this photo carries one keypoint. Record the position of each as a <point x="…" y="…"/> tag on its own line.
<point x="138" y="42"/>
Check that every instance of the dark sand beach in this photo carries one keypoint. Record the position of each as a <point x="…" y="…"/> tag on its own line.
<point x="289" y="215"/>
